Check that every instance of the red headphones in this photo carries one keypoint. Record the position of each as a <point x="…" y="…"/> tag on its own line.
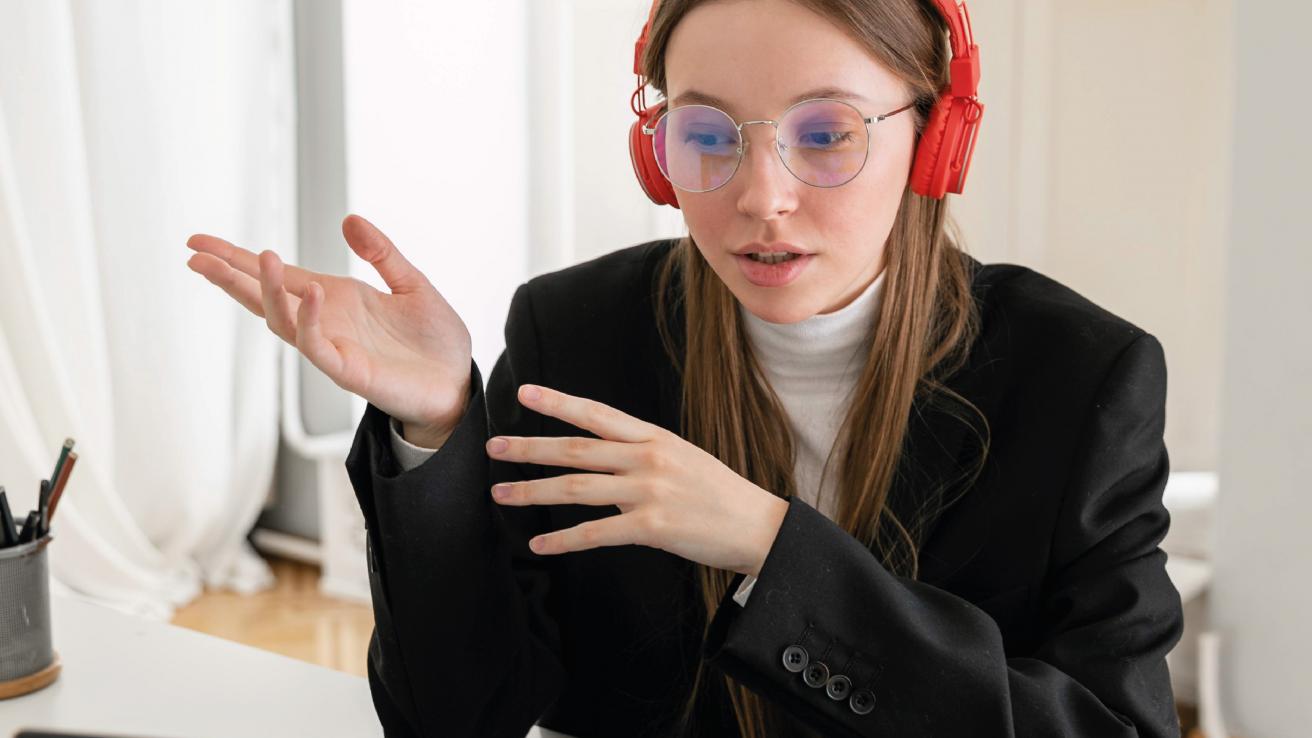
<point x="946" y="144"/>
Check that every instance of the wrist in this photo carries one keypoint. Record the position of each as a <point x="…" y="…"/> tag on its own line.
<point x="434" y="434"/>
<point x="775" y="509"/>
<point x="425" y="436"/>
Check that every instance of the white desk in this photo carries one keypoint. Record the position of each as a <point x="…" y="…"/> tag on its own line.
<point x="132" y="676"/>
<point x="1190" y="576"/>
<point x="137" y="677"/>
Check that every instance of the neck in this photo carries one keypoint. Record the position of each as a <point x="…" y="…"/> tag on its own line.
<point x="823" y="346"/>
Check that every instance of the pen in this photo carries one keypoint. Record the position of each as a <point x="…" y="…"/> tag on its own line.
<point x="8" y="536"/>
<point x="43" y="508"/>
<point x="29" y="527"/>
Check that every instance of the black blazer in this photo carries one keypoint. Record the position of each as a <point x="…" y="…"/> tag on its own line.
<point x="1043" y="606"/>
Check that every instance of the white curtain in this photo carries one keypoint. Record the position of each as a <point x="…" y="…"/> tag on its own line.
<point x="125" y="127"/>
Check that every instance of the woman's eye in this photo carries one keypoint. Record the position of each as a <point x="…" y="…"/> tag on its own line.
<point x="706" y="140"/>
<point x="825" y="139"/>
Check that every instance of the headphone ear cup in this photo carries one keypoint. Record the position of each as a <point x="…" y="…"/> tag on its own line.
<point x="946" y="146"/>
<point x="653" y="182"/>
<point x="926" y="178"/>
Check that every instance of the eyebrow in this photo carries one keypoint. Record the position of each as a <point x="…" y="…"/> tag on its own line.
<point x="697" y="97"/>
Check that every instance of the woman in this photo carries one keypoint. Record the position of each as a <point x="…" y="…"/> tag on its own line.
<point x="880" y="490"/>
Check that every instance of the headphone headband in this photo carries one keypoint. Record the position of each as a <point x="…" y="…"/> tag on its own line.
<point x="965" y="53"/>
<point x="641" y="45"/>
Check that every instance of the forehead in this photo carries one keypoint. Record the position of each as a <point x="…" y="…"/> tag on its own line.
<point x="754" y="58"/>
<point x="693" y="96"/>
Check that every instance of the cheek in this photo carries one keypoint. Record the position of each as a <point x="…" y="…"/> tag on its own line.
<point x="705" y="207"/>
<point x="861" y="211"/>
<point x="889" y="166"/>
<point x="711" y="217"/>
<point x="873" y="198"/>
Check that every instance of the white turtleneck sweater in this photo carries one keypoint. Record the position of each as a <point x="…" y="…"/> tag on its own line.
<point x="812" y="365"/>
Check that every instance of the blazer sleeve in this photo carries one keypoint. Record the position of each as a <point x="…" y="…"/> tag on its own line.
<point x="462" y="644"/>
<point x="922" y="661"/>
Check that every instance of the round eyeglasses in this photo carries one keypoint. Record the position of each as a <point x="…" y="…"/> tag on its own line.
<point x="823" y="142"/>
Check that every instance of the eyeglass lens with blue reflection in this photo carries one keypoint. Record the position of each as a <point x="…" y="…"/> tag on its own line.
<point x="823" y="142"/>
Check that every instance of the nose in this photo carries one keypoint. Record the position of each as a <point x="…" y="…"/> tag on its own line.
<point x="767" y="190"/>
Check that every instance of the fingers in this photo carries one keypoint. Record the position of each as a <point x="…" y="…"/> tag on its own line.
<point x="601" y="419"/>
<point x="268" y="301"/>
<point x="370" y="244"/>
<point x="309" y="334"/>
<point x="294" y="278"/>
<point x="259" y="284"/>
<point x="275" y="300"/>
<point x="572" y="452"/>
<point x="242" y="288"/>
<point x="616" y="530"/>
<point x="568" y="489"/>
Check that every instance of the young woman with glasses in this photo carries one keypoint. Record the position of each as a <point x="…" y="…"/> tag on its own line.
<point x="810" y="470"/>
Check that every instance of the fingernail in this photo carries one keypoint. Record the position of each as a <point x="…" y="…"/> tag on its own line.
<point x="497" y="445"/>
<point x="536" y="543"/>
<point x="500" y="491"/>
<point x="532" y="393"/>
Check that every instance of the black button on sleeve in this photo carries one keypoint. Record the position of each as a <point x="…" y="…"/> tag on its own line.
<point x="838" y="687"/>
<point x="862" y="701"/>
<point x="796" y="658"/>
<point x="816" y="674"/>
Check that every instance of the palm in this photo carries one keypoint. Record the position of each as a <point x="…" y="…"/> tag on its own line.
<point x="406" y="351"/>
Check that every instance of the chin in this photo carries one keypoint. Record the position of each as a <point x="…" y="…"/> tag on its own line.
<point x="786" y="304"/>
<point x="777" y="310"/>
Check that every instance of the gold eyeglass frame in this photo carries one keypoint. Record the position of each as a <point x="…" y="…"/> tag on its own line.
<point x="743" y="143"/>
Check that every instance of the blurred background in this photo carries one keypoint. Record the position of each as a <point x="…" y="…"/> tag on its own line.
<point x="1152" y="156"/>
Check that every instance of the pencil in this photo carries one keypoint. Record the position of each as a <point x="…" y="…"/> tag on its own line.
<point x="63" y="454"/>
<point x="64" y="474"/>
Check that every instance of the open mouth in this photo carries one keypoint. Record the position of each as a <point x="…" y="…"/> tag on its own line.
<point x="773" y="270"/>
<point x="775" y="258"/>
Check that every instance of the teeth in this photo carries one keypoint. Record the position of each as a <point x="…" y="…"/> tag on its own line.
<point x="774" y="258"/>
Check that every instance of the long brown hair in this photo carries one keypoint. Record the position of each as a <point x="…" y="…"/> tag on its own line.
<point x="926" y="323"/>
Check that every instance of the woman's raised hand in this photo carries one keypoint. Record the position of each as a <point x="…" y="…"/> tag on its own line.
<point x="407" y="352"/>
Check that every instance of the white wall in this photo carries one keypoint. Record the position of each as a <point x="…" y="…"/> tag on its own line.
<point x="390" y="94"/>
<point x="428" y="88"/>
<point x="1103" y="162"/>
<point x="586" y="199"/>
<point x="1261" y="601"/>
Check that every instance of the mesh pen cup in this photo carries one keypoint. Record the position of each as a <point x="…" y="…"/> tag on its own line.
<point x="27" y="658"/>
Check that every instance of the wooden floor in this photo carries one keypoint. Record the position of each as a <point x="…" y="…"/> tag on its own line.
<point x="292" y="619"/>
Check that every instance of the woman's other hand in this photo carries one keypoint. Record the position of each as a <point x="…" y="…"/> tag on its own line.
<point x="671" y="494"/>
<point x="407" y="352"/>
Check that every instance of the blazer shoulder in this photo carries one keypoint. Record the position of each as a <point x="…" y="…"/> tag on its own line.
<point x="600" y="284"/>
<point x="1017" y="299"/>
<point x="590" y="315"/>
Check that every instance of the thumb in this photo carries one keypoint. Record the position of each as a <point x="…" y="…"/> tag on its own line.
<point x="370" y="244"/>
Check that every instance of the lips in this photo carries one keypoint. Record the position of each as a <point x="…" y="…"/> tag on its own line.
<point x="772" y="275"/>
<point x="777" y="247"/>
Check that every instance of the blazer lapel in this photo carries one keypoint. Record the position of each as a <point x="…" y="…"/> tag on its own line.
<point x="931" y="469"/>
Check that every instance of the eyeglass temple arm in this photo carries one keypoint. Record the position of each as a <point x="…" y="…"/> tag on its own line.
<point x="890" y="114"/>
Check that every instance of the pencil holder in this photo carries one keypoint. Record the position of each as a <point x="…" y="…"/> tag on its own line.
<point x="28" y="661"/>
